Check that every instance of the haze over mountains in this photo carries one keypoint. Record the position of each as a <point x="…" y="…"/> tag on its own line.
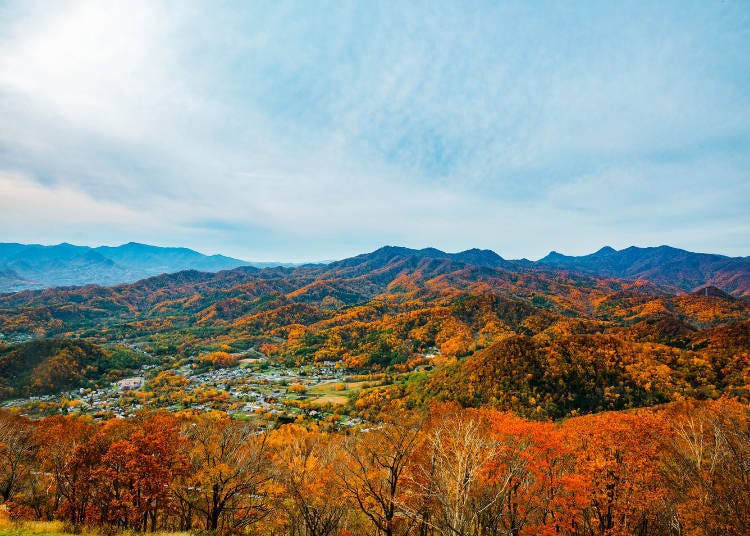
<point x="35" y="266"/>
<point x="24" y="267"/>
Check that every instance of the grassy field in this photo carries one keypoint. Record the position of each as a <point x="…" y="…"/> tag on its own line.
<point x="55" y="528"/>
<point x="336" y="400"/>
<point x="337" y="393"/>
<point x="34" y="528"/>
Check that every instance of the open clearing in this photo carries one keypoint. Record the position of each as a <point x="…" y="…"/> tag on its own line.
<point x="336" y="400"/>
<point x="336" y="393"/>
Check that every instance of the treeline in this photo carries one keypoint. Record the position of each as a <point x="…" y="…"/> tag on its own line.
<point x="682" y="469"/>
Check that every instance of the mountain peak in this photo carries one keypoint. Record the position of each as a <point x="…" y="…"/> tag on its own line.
<point x="138" y="246"/>
<point x="392" y="250"/>
<point x="552" y="256"/>
<point x="606" y="250"/>
<point x="480" y="257"/>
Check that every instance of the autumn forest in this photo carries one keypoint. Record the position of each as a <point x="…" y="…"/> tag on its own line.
<point x="399" y="392"/>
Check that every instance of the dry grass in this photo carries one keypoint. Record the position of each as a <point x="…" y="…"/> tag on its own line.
<point x="9" y="527"/>
<point x="340" y="387"/>
<point x="336" y="400"/>
<point x="337" y="393"/>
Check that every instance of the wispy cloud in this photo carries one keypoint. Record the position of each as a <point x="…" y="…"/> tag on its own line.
<point x="297" y="131"/>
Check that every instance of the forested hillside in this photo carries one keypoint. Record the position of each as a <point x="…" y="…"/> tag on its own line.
<point x="544" y="342"/>
<point x="345" y="399"/>
<point x="324" y="379"/>
<point x="53" y="365"/>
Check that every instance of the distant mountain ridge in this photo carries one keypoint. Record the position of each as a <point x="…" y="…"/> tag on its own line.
<point x="669" y="267"/>
<point x="662" y="265"/>
<point x="34" y="266"/>
<point x="24" y="267"/>
<point x="390" y="254"/>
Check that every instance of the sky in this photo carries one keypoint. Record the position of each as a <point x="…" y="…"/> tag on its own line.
<point x="301" y="131"/>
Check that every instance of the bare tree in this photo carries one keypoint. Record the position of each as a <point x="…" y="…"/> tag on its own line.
<point x="708" y="468"/>
<point x="452" y="478"/>
<point x="373" y="474"/>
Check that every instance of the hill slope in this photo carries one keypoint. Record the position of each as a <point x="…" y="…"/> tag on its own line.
<point x="663" y="265"/>
<point x="627" y="343"/>
<point x="48" y="366"/>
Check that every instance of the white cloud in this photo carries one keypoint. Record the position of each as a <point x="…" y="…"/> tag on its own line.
<point x="288" y="129"/>
<point x="27" y="204"/>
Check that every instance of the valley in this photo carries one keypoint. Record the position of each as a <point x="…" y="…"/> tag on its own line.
<point x="374" y="268"/>
<point x="423" y="322"/>
<point x="353" y="393"/>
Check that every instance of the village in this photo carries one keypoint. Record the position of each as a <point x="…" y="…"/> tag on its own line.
<point x="256" y="389"/>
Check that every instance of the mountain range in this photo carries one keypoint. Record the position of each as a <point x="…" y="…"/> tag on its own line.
<point x="537" y="326"/>
<point x="663" y="265"/>
<point x="675" y="269"/>
<point x="35" y="266"/>
<point x="24" y="267"/>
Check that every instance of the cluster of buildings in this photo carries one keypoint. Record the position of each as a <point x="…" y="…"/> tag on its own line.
<point x="249" y="389"/>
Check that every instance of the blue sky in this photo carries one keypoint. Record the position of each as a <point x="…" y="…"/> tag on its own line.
<point x="315" y="130"/>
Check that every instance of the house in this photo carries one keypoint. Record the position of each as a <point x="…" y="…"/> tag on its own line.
<point x="130" y="384"/>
